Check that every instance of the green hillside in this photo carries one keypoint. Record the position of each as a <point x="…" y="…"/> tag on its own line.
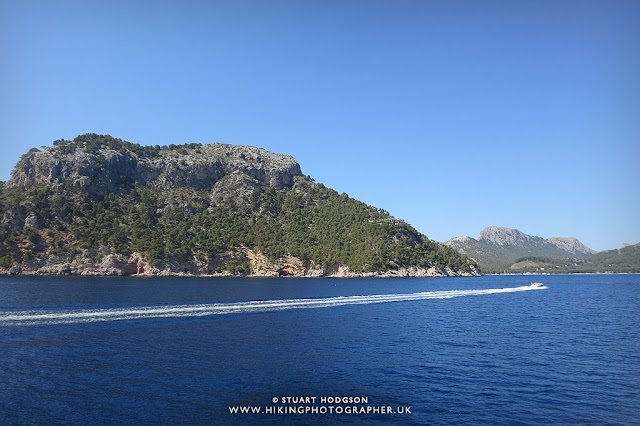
<point x="625" y="260"/>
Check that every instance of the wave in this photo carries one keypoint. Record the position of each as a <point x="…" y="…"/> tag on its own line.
<point x="198" y="310"/>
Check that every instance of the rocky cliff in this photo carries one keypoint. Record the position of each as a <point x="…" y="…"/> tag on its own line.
<point x="571" y="245"/>
<point x="101" y="164"/>
<point x="87" y="264"/>
<point x="506" y="236"/>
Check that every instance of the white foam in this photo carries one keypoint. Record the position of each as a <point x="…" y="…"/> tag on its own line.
<point x="164" y="311"/>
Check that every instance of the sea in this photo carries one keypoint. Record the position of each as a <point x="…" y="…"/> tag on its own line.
<point x="442" y="351"/>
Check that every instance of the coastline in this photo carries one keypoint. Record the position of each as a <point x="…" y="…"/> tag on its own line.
<point x="387" y="274"/>
<point x="290" y="267"/>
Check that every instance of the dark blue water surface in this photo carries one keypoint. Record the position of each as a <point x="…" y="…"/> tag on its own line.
<point x="568" y="354"/>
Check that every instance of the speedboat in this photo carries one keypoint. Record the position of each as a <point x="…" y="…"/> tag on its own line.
<point x="537" y="285"/>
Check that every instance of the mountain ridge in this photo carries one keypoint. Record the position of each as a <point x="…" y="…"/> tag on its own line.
<point x="509" y="236"/>
<point x="497" y="248"/>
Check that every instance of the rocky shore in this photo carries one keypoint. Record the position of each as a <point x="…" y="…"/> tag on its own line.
<point x="259" y="266"/>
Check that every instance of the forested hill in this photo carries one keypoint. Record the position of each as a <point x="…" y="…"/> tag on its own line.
<point x="97" y="205"/>
<point x="624" y="260"/>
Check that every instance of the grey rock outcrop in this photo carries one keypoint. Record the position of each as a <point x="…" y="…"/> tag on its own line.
<point x="236" y="186"/>
<point x="136" y="265"/>
<point x="106" y="169"/>
<point x="505" y="236"/>
<point x="571" y="245"/>
<point x="15" y="218"/>
<point x="33" y="221"/>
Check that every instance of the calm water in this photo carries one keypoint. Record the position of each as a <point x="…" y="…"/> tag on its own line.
<point x="105" y="350"/>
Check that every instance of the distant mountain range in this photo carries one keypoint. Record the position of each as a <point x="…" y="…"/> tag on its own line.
<point x="500" y="250"/>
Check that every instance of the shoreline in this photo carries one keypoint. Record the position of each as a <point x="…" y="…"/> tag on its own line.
<point x="390" y="274"/>
<point x="148" y="271"/>
<point x="382" y="275"/>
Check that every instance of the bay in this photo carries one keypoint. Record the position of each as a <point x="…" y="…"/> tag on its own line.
<point x="565" y="354"/>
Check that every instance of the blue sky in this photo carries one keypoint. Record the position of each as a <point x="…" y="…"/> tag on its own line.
<point x="453" y="115"/>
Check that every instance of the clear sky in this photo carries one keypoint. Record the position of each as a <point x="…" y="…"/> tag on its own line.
<point x="452" y="114"/>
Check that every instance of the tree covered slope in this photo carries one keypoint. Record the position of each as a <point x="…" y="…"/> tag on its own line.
<point x="624" y="260"/>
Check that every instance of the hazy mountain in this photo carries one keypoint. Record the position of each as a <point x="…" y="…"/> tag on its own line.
<point x="496" y="248"/>
<point x="101" y="206"/>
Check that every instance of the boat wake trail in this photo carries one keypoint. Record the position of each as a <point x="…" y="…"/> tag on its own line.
<point x="166" y="311"/>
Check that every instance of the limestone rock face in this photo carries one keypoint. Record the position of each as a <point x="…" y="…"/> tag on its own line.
<point x="572" y="245"/>
<point x="504" y="236"/>
<point x="458" y="241"/>
<point x="105" y="170"/>
<point x="15" y="218"/>
<point x="33" y="221"/>
<point x="236" y="186"/>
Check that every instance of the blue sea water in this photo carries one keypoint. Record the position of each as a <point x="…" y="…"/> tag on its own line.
<point x="80" y="350"/>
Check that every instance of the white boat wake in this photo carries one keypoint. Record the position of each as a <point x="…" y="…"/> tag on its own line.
<point x="166" y="311"/>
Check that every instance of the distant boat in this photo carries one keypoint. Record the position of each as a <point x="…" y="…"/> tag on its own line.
<point x="537" y="285"/>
